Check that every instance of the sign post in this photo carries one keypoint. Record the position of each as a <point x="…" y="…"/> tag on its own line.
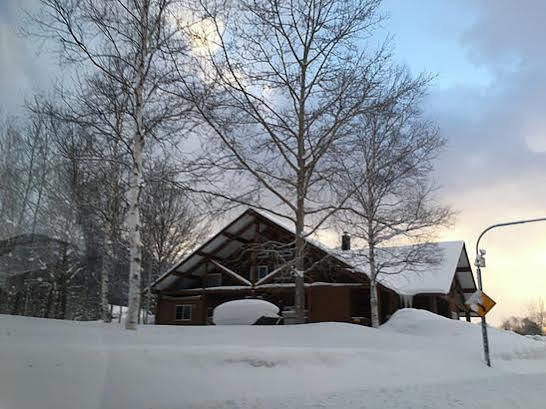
<point x="481" y="304"/>
<point x="479" y="263"/>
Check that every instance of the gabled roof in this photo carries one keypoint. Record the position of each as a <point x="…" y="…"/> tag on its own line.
<point x="435" y="278"/>
<point x="218" y="242"/>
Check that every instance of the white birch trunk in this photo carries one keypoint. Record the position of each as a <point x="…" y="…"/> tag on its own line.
<point x="148" y="295"/>
<point x="299" y="285"/>
<point x="134" y="236"/>
<point x="104" y="284"/>
<point x="374" y="304"/>
<point x="134" y="223"/>
<point x="371" y="214"/>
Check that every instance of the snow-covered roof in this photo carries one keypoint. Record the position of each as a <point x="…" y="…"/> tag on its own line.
<point x="425" y="278"/>
<point x="452" y="260"/>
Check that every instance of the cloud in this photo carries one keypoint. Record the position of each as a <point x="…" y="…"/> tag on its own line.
<point x="23" y="68"/>
<point x="498" y="131"/>
<point x="506" y="31"/>
<point x="495" y="166"/>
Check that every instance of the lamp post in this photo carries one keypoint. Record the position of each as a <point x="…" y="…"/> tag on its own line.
<point x="479" y="263"/>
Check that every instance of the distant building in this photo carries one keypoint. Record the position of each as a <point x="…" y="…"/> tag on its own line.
<point x="39" y="277"/>
<point x="247" y="258"/>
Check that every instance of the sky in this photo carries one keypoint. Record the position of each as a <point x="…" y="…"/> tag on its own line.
<point x="488" y="98"/>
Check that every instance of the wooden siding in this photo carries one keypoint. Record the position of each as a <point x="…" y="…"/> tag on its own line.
<point x="329" y="304"/>
<point x="166" y="310"/>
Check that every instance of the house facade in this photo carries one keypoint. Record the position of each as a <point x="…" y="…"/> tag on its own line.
<point x="249" y="258"/>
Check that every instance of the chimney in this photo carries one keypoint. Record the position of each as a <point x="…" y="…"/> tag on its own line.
<point x="345" y="241"/>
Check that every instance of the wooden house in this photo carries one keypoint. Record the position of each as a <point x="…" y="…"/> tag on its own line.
<point x="248" y="258"/>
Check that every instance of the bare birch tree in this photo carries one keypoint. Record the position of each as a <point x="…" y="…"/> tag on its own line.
<point x="172" y="222"/>
<point x="44" y="206"/>
<point x="12" y="171"/>
<point x="387" y="167"/>
<point x="99" y="110"/>
<point x="24" y="165"/>
<point x="281" y="84"/>
<point x="124" y="40"/>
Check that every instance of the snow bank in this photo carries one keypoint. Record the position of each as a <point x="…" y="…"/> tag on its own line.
<point x="415" y="360"/>
<point x="541" y="338"/>
<point x="505" y="345"/>
<point x="243" y="312"/>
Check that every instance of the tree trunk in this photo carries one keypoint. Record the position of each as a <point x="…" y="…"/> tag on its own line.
<point x="134" y="235"/>
<point x="49" y="301"/>
<point x="28" y="187"/>
<point x="148" y="294"/>
<point x="374" y="304"/>
<point x="104" y="285"/>
<point x="61" y="301"/>
<point x="41" y="185"/>
<point x="136" y="178"/>
<point x="26" y="306"/>
<point x="299" y="285"/>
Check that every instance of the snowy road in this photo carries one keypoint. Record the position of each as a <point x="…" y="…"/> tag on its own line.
<point x="416" y="360"/>
<point x="511" y="391"/>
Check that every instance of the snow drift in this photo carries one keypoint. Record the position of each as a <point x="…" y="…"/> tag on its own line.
<point x="243" y="312"/>
<point x="415" y="360"/>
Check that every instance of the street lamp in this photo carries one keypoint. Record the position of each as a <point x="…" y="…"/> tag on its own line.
<point x="480" y="263"/>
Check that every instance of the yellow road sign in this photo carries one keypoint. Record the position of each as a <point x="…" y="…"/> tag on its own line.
<point x="480" y="303"/>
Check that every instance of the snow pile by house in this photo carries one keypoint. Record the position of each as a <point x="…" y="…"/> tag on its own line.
<point x="415" y="360"/>
<point x="541" y="338"/>
<point x="243" y="312"/>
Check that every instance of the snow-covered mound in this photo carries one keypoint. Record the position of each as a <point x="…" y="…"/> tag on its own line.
<point x="541" y="338"/>
<point x="416" y="360"/>
<point x="411" y="321"/>
<point x="243" y="312"/>
<point x="505" y="345"/>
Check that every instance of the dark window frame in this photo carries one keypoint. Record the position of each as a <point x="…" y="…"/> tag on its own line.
<point x="259" y="268"/>
<point x="183" y="309"/>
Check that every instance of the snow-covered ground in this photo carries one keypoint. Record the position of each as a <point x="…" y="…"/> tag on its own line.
<point x="416" y="360"/>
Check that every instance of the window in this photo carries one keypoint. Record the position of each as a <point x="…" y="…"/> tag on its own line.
<point x="183" y="312"/>
<point x="262" y="271"/>
<point x="213" y="280"/>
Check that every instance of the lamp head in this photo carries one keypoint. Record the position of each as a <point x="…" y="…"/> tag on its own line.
<point x="480" y="259"/>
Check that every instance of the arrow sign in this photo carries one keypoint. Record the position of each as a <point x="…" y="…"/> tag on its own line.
<point x="480" y="303"/>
